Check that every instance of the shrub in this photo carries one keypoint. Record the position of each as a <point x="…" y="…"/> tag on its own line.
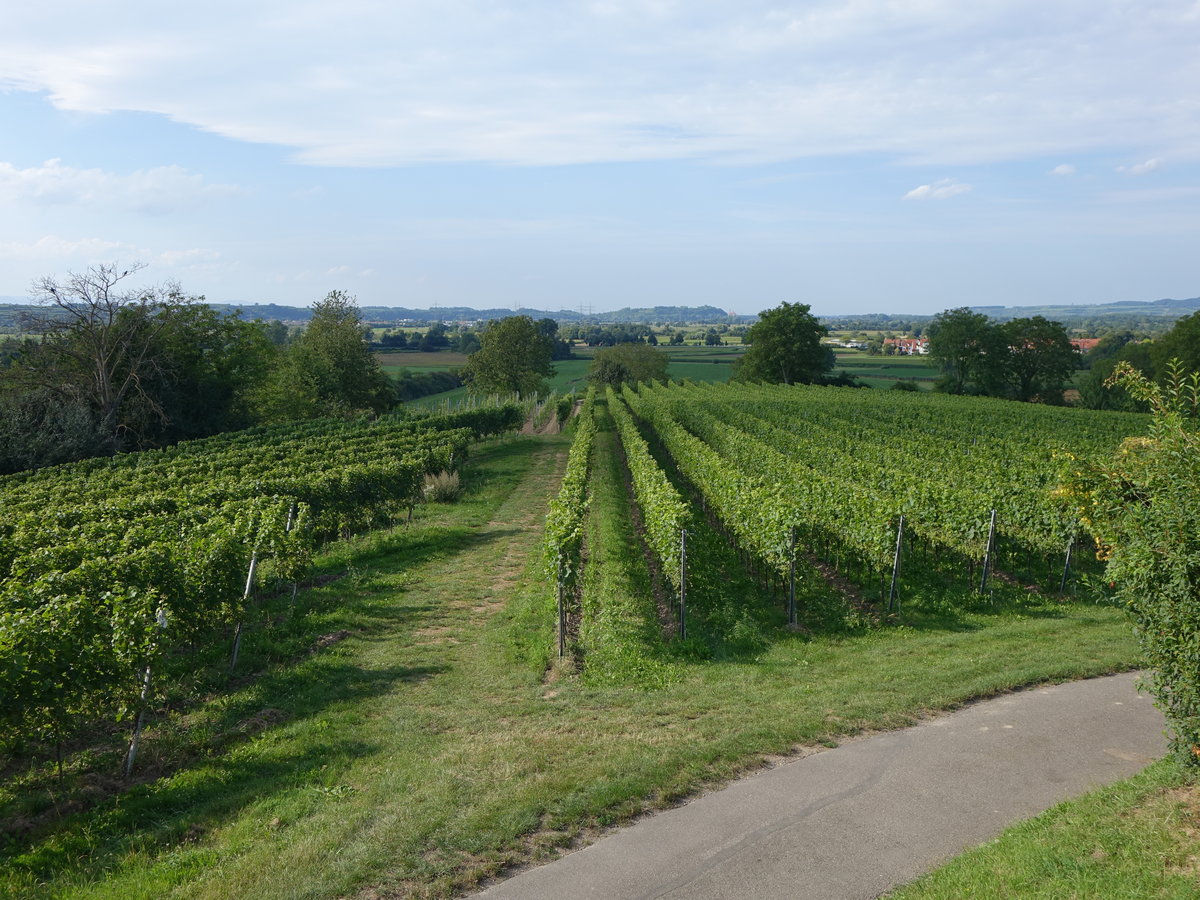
<point x="1143" y="508"/>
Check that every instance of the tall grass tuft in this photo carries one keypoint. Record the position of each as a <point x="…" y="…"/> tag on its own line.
<point x="444" y="487"/>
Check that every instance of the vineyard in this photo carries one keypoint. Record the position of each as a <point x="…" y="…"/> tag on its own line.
<point x="689" y="578"/>
<point x="868" y="494"/>
<point x="109" y="565"/>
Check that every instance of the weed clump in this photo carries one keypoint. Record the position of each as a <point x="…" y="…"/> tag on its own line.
<point x="444" y="487"/>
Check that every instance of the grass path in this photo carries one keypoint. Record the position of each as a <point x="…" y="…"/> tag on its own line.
<point x="426" y="751"/>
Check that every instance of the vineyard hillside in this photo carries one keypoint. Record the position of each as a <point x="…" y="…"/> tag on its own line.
<point x="396" y="657"/>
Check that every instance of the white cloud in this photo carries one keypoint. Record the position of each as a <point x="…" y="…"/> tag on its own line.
<point x="57" y="252"/>
<point x="54" y="248"/>
<point x="1064" y="169"/>
<point x="939" y="190"/>
<point x="571" y="81"/>
<point x="1142" y="168"/>
<point x="156" y="191"/>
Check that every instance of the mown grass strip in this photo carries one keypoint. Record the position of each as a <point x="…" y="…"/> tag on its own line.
<point x="1136" y="839"/>
<point x="620" y="638"/>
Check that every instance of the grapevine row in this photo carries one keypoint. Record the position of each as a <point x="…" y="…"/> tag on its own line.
<point x="105" y="567"/>
<point x="664" y="513"/>
<point x="563" y="544"/>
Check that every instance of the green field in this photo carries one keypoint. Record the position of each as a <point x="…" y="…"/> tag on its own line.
<point x="416" y="361"/>
<point x="883" y="371"/>
<point x="696" y="363"/>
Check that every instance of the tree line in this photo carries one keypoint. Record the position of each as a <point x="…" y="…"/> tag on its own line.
<point x="1034" y="359"/>
<point x="107" y="368"/>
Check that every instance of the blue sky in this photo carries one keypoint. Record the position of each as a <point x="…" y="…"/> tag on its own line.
<point x="860" y="156"/>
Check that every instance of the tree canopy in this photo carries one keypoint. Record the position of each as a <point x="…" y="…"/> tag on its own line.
<point x="1182" y="342"/>
<point x="960" y="342"/>
<point x="1037" y="359"/>
<point x="329" y="369"/>
<point x="514" y="356"/>
<point x="785" y="347"/>
<point x="627" y="363"/>
<point x="1022" y="359"/>
<point x="118" y="368"/>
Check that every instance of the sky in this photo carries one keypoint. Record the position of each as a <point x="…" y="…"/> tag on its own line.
<point x="859" y="156"/>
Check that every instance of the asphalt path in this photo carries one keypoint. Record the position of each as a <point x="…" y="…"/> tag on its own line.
<point x="855" y="821"/>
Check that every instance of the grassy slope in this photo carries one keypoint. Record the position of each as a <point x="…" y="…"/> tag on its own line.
<point x="426" y="750"/>
<point x="1136" y="839"/>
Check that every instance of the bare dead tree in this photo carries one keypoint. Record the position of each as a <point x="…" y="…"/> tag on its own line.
<point x="99" y="341"/>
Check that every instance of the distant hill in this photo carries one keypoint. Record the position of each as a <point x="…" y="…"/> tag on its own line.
<point x="1151" y="309"/>
<point x="385" y="315"/>
<point x="1143" y="316"/>
<point x="1150" y="316"/>
<point x="12" y="307"/>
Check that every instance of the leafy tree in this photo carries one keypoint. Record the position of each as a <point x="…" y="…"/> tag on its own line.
<point x="42" y="428"/>
<point x="1037" y="361"/>
<point x="329" y="369"/>
<point x="467" y="343"/>
<point x="785" y="347"/>
<point x="514" y="356"/>
<point x="434" y="338"/>
<point x="627" y="363"/>
<point x="277" y="333"/>
<point x="1181" y="343"/>
<point x="548" y="328"/>
<point x="1143" y="508"/>
<point x="213" y="365"/>
<point x="1097" y="390"/>
<point x="960" y="343"/>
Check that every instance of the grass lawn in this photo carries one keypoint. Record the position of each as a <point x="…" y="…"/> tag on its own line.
<point x="1131" y="840"/>
<point x="434" y="744"/>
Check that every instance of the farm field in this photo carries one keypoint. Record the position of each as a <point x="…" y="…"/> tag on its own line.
<point x="883" y="371"/>
<point x="695" y="363"/>
<point x="416" y="730"/>
<point x="441" y="361"/>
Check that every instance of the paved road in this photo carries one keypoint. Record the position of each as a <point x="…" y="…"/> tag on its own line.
<point x="855" y="821"/>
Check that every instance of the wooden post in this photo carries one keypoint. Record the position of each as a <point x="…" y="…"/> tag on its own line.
<point x="562" y="613"/>
<point x="237" y="636"/>
<point x="792" y="577"/>
<point x="987" y="556"/>
<point x="131" y="754"/>
<point x="1062" y="588"/>
<point x="682" y="583"/>
<point x="896" y="564"/>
